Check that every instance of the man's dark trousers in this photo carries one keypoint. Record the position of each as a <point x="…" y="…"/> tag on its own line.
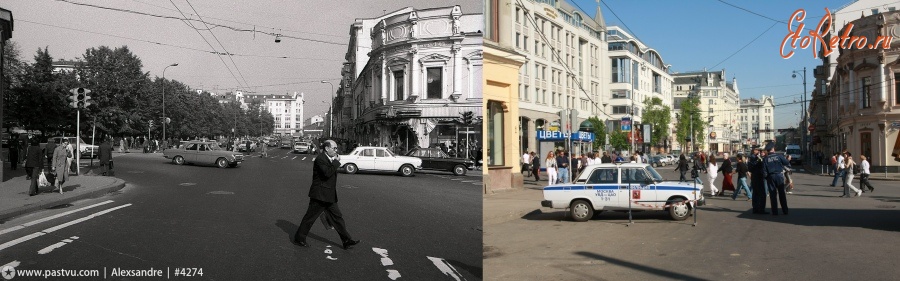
<point x="777" y="193"/>
<point x="316" y="207"/>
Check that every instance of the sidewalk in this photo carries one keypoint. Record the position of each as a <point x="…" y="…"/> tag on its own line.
<point x="818" y="171"/>
<point x="14" y="199"/>
<point x="508" y="205"/>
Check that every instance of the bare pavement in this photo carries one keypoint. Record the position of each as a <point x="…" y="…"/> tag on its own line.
<point x="824" y="237"/>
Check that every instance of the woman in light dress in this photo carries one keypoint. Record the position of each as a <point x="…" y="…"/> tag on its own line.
<point x="712" y="171"/>
<point x="550" y="163"/>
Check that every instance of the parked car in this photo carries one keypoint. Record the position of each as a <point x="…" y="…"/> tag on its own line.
<point x="86" y="150"/>
<point x="610" y="187"/>
<point x="203" y="153"/>
<point x="436" y="159"/>
<point x="657" y="161"/>
<point x="302" y="147"/>
<point x="372" y="158"/>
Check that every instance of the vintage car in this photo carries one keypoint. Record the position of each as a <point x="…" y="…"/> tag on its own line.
<point x="302" y="147"/>
<point x="87" y="150"/>
<point x="373" y="158"/>
<point x="242" y="146"/>
<point x="203" y="153"/>
<point x="436" y="159"/>
<point x="615" y="187"/>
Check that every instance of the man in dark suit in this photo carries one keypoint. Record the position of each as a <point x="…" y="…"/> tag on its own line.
<point x="105" y="155"/>
<point x="323" y="197"/>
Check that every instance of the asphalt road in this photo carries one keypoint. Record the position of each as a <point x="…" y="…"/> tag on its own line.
<point x="237" y="223"/>
<point x="824" y="238"/>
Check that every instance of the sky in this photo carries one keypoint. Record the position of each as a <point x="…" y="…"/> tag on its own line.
<point x="697" y="34"/>
<point x="320" y="30"/>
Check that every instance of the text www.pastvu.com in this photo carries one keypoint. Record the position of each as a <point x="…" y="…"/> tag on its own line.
<point x="9" y="273"/>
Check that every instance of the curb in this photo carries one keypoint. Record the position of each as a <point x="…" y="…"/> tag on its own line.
<point x="15" y="212"/>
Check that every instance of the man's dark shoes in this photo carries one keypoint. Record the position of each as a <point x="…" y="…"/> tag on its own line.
<point x="349" y="244"/>
<point x="301" y="244"/>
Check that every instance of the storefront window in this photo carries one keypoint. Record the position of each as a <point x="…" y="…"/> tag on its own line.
<point x="495" y="133"/>
<point x="865" y="140"/>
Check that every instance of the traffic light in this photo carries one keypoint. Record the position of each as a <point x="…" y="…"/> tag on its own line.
<point x="80" y="98"/>
<point x="563" y="120"/>
<point x="467" y="117"/>
<point x="151" y="123"/>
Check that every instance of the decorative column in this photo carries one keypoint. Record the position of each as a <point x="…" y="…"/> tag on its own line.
<point x="457" y="71"/>
<point x="384" y="74"/>
<point x="882" y="88"/>
<point x="416" y="83"/>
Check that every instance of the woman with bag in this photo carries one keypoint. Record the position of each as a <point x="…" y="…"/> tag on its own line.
<point x="849" y="164"/>
<point x="550" y="162"/>
<point x="60" y="164"/>
<point x="33" y="166"/>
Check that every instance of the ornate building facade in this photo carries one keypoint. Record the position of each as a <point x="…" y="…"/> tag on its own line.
<point x="423" y="69"/>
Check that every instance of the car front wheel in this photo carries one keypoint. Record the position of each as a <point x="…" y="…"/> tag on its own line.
<point x="581" y="210"/>
<point x="178" y="160"/>
<point x="406" y="170"/>
<point x="679" y="209"/>
<point x="459" y="170"/>
<point x="351" y="168"/>
<point x="222" y="163"/>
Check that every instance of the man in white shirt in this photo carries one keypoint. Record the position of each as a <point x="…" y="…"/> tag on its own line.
<point x="526" y="160"/>
<point x="864" y="174"/>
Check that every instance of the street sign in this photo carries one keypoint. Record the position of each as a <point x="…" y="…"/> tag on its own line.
<point x="812" y="127"/>
<point x="626" y="124"/>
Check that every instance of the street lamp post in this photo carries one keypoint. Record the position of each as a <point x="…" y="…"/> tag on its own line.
<point x="804" y="145"/>
<point x="164" y="103"/>
<point x="331" y="110"/>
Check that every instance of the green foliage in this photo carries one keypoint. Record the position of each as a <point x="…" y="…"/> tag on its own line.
<point x="659" y="116"/>
<point x="619" y="140"/>
<point x="599" y="133"/>
<point x="690" y="108"/>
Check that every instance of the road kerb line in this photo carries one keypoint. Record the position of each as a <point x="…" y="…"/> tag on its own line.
<point x="27" y="224"/>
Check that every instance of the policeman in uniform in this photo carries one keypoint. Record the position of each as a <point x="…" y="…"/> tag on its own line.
<point x="757" y="182"/>
<point x="774" y="170"/>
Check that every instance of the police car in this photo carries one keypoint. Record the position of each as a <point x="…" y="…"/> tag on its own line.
<point x="605" y="187"/>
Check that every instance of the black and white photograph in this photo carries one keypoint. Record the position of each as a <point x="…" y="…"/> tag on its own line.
<point x="241" y="140"/>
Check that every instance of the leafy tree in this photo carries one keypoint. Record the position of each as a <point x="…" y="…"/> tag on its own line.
<point x="619" y="140"/>
<point x="690" y="107"/>
<point x="658" y="115"/>
<point x="120" y="90"/>
<point x="599" y="133"/>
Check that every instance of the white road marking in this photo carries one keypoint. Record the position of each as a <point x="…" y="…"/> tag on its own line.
<point x="456" y="179"/>
<point x="328" y="251"/>
<point x="385" y="261"/>
<point x="11" y="264"/>
<point x="393" y="274"/>
<point x="58" y="227"/>
<point x="50" y="248"/>
<point x="24" y="225"/>
<point x="304" y="158"/>
<point x="285" y="157"/>
<point x="468" y="181"/>
<point x="295" y="157"/>
<point x="446" y="268"/>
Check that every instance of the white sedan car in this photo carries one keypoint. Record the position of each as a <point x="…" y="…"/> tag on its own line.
<point x="611" y="187"/>
<point x="372" y="158"/>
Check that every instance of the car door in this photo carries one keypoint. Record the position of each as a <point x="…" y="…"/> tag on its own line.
<point x="205" y="155"/>
<point x="384" y="161"/>
<point x="190" y="153"/>
<point x="366" y="159"/>
<point x="602" y="187"/>
<point x="642" y="188"/>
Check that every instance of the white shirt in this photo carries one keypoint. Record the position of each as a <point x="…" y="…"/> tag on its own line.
<point x="864" y="167"/>
<point x="840" y="162"/>
<point x="526" y="158"/>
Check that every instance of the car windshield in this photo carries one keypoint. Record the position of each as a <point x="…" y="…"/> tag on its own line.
<point x="793" y="151"/>
<point x="654" y="174"/>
